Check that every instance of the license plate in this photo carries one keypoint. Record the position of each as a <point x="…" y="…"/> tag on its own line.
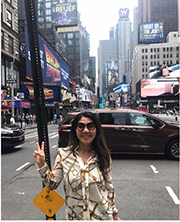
<point x="20" y="138"/>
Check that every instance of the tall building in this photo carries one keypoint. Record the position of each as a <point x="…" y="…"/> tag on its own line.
<point x="112" y="34"/>
<point x="71" y="42"/>
<point x="135" y="27"/>
<point x="9" y="44"/>
<point x="92" y="72"/>
<point x="161" y="10"/>
<point x="74" y="36"/>
<point x="124" y="43"/>
<point x="107" y="51"/>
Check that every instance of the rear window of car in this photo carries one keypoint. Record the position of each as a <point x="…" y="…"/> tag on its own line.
<point x="112" y="118"/>
<point x="138" y="119"/>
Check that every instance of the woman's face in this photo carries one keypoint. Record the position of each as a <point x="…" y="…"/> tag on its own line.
<point x="86" y="131"/>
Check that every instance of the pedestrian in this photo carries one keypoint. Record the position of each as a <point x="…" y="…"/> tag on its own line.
<point x="54" y="118"/>
<point x="4" y="122"/>
<point x="34" y="118"/>
<point x="85" y="168"/>
<point x="60" y="117"/>
<point x="12" y="120"/>
<point x="27" y="118"/>
<point x="30" y="118"/>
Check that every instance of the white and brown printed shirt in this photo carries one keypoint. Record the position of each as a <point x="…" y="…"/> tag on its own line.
<point x="89" y="194"/>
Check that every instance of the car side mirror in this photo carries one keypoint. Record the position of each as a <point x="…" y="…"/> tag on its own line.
<point x="154" y="125"/>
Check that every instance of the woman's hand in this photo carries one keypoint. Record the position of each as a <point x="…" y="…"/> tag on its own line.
<point x="115" y="217"/>
<point x="39" y="155"/>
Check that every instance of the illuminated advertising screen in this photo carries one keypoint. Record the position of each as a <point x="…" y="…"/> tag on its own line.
<point x="159" y="87"/>
<point x="164" y="71"/>
<point x="50" y="92"/>
<point x="123" y="88"/>
<point x="54" y="69"/>
<point x="112" y="75"/>
<point x="64" y="14"/>
<point x="151" y="32"/>
<point x="123" y="13"/>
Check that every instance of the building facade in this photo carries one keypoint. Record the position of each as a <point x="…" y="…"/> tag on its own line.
<point x="161" y="10"/>
<point x="9" y="43"/>
<point x="124" y="44"/>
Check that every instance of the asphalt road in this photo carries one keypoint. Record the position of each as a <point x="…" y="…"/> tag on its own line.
<point x="147" y="187"/>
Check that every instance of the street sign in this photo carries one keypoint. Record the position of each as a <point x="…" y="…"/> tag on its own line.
<point x="48" y="201"/>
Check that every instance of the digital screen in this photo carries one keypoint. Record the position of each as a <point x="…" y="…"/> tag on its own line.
<point x="159" y="87"/>
<point x="166" y="71"/>
<point x="112" y="75"/>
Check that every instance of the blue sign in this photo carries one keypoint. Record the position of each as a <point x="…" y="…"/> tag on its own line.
<point x="151" y="32"/>
<point x="54" y="69"/>
<point x="123" y="13"/>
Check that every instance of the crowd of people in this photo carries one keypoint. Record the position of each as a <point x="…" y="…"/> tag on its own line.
<point x="21" y="120"/>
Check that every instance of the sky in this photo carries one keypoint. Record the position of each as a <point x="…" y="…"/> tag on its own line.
<point x="99" y="15"/>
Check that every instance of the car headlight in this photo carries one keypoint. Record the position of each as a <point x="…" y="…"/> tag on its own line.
<point x="5" y="131"/>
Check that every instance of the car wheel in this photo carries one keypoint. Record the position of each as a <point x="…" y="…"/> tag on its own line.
<point x="172" y="150"/>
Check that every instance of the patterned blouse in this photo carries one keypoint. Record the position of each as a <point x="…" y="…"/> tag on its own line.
<point x="89" y="193"/>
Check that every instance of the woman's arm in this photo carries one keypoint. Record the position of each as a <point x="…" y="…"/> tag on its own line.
<point x="50" y="179"/>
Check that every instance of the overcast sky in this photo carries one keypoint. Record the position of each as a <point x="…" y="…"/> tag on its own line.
<point x="99" y="15"/>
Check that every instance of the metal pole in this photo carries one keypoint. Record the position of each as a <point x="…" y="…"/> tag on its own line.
<point x="12" y="87"/>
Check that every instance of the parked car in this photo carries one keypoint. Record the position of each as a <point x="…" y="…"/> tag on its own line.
<point x="130" y="131"/>
<point x="11" y="135"/>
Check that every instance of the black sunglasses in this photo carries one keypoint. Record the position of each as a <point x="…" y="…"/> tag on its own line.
<point x="81" y="126"/>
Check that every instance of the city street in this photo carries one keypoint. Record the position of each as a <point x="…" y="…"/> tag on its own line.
<point x="147" y="187"/>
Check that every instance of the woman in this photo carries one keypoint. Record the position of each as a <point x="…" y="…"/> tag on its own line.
<point x="85" y="167"/>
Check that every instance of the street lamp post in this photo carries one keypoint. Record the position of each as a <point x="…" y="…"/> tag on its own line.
<point x="12" y="88"/>
<point x="12" y="84"/>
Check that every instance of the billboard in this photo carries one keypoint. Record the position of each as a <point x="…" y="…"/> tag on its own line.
<point x="166" y="71"/>
<point x="54" y="69"/>
<point x="50" y="92"/>
<point x="112" y="75"/>
<point x="159" y="87"/>
<point x="123" y="13"/>
<point x="151" y="32"/>
<point x="123" y="88"/>
<point x="64" y="14"/>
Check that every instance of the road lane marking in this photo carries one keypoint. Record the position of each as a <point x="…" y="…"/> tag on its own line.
<point x="31" y="136"/>
<point x="154" y="169"/>
<point x="173" y="195"/>
<point x="53" y="147"/>
<point x="52" y="133"/>
<point x="32" y="142"/>
<point x="52" y="137"/>
<point x="22" y="166"/>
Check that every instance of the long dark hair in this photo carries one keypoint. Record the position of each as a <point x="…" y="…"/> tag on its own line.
<point x="99" y="144"/>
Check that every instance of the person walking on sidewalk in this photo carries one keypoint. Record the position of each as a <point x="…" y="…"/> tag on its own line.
<point x="34" y="118"/>
<point x="85" y="168"/>
<point x="54" y="118"/>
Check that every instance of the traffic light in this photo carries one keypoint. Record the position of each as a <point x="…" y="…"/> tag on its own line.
<point x="8" y="92"/>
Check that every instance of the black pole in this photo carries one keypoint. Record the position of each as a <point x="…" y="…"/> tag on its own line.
<point x="30" y="6"/>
